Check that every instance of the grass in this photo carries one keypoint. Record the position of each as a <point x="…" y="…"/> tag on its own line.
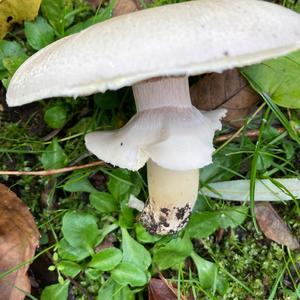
<point x="242" y="263"/>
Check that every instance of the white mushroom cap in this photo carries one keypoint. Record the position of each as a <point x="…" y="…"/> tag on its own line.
<point x="184" y="39"/>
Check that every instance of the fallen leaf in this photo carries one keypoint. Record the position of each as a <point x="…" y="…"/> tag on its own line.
<point x="227" y="90"/>
<point x="273" y="226"/>
<point x="124" y="7"/>
<point x="16" y="11"/>
<point x="159" y="289"/>
<point x="18" y="240"/>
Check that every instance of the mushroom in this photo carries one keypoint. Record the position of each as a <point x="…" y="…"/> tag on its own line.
<point x="155" y="50"/>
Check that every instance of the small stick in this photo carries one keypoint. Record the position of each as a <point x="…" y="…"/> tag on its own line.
<point x="250" y="133"/>
<point x="53" y="171"/>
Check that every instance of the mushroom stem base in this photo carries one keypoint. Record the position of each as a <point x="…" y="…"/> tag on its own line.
<point x="172" y="195"/>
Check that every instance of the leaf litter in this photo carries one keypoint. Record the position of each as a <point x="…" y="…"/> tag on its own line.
<point x="19" y="237"/>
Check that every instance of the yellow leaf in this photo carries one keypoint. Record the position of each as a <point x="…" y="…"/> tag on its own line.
<point x="16" y="11"/>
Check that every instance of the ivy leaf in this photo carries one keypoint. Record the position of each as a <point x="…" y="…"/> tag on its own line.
<point x="56" y="291"/>
<point x="68" y="268"/>
<point x="113" y="291"/>
<point x="106" y="260"/>
<point x="56" y="116"/>
<point x="208" y="274"/>
<point x="39" y="33"/>
<point x="80" y="230"/>
<point x="172" y="253"/>
<point x="54" y="156"/>
<point x="119" y="183"/>
<point x="127" y="273"/>
<point x="202" y="224"/>
<point x="144" y="236"/>
<point x="79" y="182"/>
<point x="104" y="202"/>
<point x="68" y="252"/>
<point x="58" y="13"/>
<point x="103" y="15"/>
<point x="12" y="55"/>
<point x="134" y="252"/>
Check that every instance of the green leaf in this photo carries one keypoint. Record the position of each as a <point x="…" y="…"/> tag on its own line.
<point x="128" y="273"/>
<point x="223" y="167"/>
<point x="263" y="162"/>
<point x="68" y="252"/>
<point x="207" y="271"/>
<point x="119" y="183"/>
<point x="58" y="13"/>
<point x="134" y="252"/>
<point x="69" y="268"/>
<point x="56" y="291"/>
<point x="113" y="291"/>
<point x="126" y="218"/>
<point x="39" y="33"/>
<point x="104" y="202"/>
<point x="279" y="78"/>
<point x="144" y="236"/>
<point x="56" y="116"/>
<point x="80" y="230"/>
<point x="79" y="183"/>
<point x="208" y="274"/>
<point x="103" y="15"/>
<point x="172" y="253"/>
<point x="93" y="274"/>
<point x="104" y="231"/>
<point x="107" y="101"/>
<point x="203" y="224"/>
<point x="232" y="216"/>
<point x="12" y="63"/>
<point x="106" y="259"/>
<point x="54" y="156"/>
<point x="10" y="49"/>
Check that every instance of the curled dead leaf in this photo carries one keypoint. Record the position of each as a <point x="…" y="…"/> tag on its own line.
<point x="273" y="226"/>
<point x="227" y="90"/>
<point x="16" y="11"/>
<point x="18" y="240"/>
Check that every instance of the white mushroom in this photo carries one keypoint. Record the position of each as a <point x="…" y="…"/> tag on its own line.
<point x="155" y="50"/>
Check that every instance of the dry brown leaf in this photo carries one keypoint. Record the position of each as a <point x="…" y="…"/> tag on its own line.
<point x="124" y="7"/>
<point x="18" y="240"/>
<point x="227" y="90"/>
<point x="159" y="290"/>
<point x="273" y="226"/>
<point x="16" y="11"/>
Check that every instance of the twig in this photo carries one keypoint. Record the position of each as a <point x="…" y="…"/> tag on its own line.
<point x="53" y="171"/>
<point x="250" y="133"/>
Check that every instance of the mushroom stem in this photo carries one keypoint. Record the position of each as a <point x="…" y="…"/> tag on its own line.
<point x="162" y="92"/>
<point x="172" y="195"/>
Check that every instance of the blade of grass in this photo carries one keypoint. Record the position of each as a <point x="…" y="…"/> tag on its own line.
<point x="280" y="116"/>
<point x="254" y="168"/>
